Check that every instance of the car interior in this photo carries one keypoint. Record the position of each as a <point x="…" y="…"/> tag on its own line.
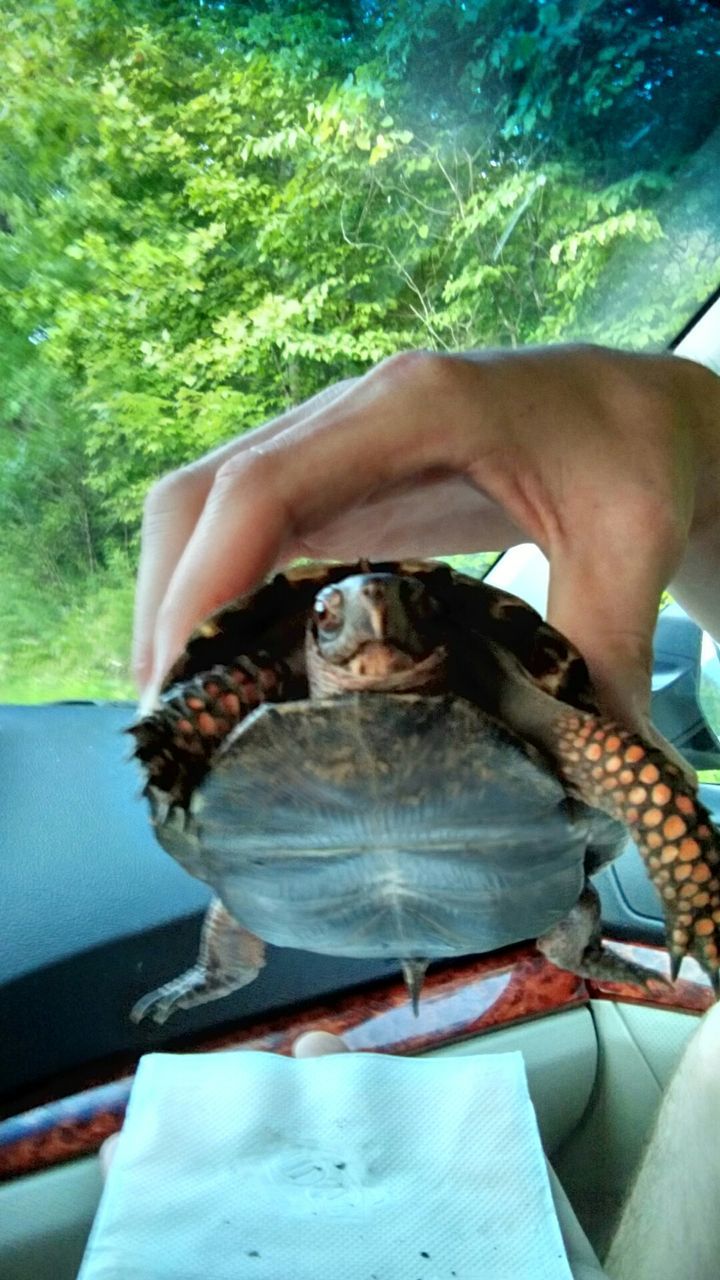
<point x="95" y="913"/>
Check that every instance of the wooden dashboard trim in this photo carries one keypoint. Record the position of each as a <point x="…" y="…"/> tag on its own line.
<point x="461" y="999"/>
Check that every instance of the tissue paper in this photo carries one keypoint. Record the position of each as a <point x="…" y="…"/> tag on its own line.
<point x="345" y="1167"/>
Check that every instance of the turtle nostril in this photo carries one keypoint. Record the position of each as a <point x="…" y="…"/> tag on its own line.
<point x="374" y="591"/>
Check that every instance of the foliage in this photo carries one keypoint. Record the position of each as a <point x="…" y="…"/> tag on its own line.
<point x="69" y="643"/>
<point x="619" y="86"/>
<point x="212" y="210"/>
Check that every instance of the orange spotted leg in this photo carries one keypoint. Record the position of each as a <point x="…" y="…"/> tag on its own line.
<point x="616" y="770"/>
<point x="176" y="743"/>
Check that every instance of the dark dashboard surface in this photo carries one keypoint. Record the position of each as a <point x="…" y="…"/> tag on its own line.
<point x="95" y="913"/>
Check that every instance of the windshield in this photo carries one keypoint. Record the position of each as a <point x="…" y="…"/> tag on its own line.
<point x="209" y="211"/>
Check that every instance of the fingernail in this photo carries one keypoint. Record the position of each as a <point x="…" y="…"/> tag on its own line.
<point x="148" y="700"/>
<point x="316" y="1044"/>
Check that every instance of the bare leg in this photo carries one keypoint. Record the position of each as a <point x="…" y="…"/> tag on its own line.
<point x="670" y="1225"/>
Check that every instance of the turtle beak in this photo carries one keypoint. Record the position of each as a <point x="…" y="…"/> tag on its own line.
<point x="378" y="618"/>
<point x="375" y="597"/>
<point x="385" y="617"/>
<point x="414" y="974"/>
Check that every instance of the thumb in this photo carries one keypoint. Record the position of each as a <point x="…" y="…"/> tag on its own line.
<point x="608" y="606"/>
<point x="609" y="564"/>
<point x="610" y="616"/>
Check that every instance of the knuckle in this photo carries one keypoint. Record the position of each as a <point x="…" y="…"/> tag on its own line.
<point x="701" y="378"/>
<point x="255" y="466"/>
<point x="412" y="367"/>
<point x="172" y="490"/>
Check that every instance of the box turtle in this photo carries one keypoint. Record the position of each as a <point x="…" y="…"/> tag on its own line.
<point x="396" y="760"/>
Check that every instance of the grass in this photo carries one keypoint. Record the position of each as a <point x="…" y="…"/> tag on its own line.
<point x="75" y="647"/>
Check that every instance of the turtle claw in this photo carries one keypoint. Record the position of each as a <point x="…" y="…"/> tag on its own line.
<point x="194" y="987"/>
<point x="709" y="966"/>
<point x="161" y="805"/>
<point x="687" y="943"/>
<point x="693" y="918"/>
<point x="157" y="1005"/>
<point x="608" y="966"/>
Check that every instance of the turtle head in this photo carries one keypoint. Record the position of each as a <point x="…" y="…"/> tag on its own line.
<point x="376" y="632"/>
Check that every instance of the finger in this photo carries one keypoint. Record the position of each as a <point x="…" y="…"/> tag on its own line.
<point x="265" y="499"/>
<point x="427" y="516"/>
<point x="695" y="586"/>
<point x="106" y="1154"/>
<point x="317" y="1044"/>
<point x="172" y="510"/>
<point x="612" y="627"/>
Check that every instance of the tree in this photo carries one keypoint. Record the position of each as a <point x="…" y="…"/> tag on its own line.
<point x="211" y="211"/>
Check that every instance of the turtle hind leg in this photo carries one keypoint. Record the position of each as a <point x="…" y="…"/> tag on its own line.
<point x="575" y="944"/>
<point x="229" y="958"/>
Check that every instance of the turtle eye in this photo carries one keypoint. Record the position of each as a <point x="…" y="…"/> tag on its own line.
<point x="327" y="611"/>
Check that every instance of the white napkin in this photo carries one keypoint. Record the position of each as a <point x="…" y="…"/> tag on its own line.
<point x="353" y="1166"/>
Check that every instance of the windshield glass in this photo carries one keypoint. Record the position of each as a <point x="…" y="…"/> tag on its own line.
<point x="209" y="211"/>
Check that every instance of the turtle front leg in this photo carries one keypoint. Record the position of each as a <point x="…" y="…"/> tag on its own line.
<point x="616" y="770"/>
<point x="176" y="743"/>
<point x="576" y="944"/>
<point x="229" y="958"/>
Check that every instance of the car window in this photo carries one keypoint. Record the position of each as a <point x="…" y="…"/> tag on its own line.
<point x="208" y="211"/>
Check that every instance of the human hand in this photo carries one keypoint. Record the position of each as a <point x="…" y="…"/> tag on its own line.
<point x="609" y="461"/>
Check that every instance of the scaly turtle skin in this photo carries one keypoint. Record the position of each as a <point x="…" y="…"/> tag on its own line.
<point x="397" y="760"/>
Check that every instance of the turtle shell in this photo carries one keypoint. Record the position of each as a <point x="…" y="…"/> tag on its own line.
<point x="385" y="825"/>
